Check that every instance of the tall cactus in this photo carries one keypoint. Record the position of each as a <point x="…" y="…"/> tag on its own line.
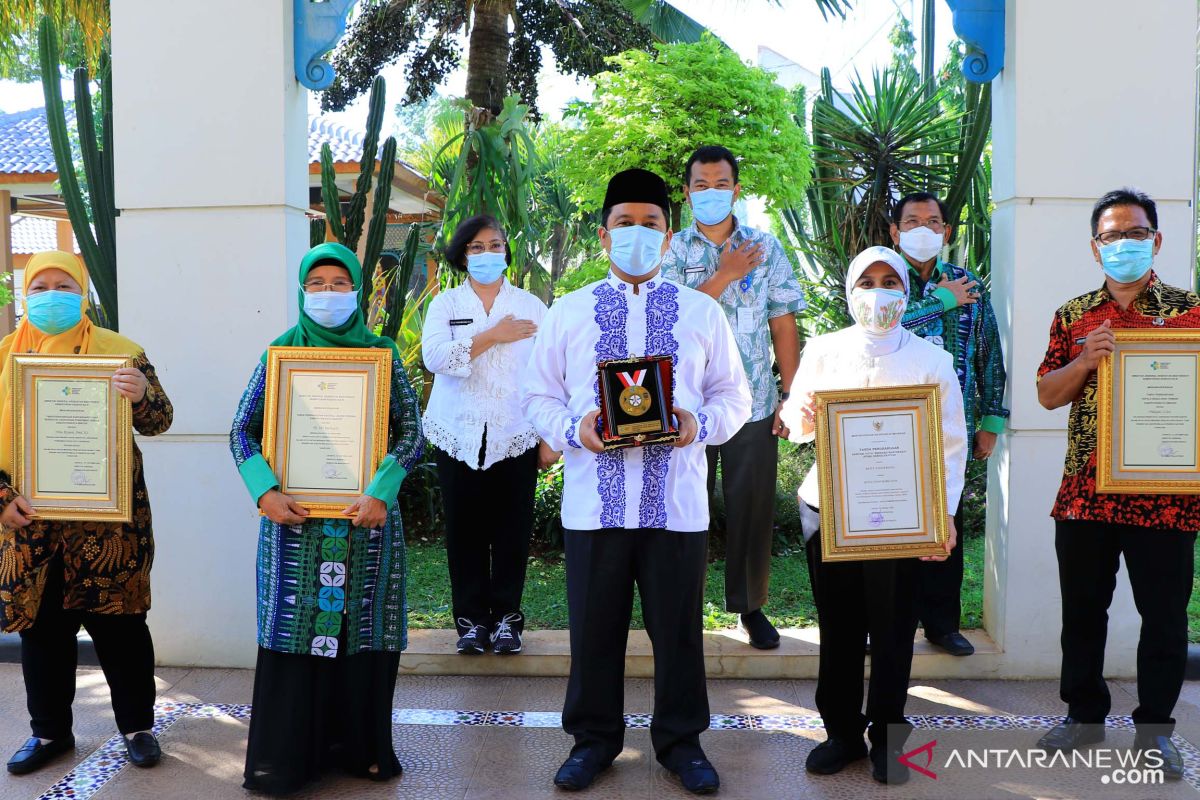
<point x="99" y="249"/>
<point x="349" y="230"/>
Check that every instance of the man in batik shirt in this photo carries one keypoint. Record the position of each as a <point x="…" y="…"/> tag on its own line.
<point x="1155" y="533"/>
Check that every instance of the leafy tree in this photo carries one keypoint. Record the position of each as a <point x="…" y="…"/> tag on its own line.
<point x="426" y="34"/>
<point x="654" y="110"/>
<point x="82" y="26"/>
<point x="904" y="49"/>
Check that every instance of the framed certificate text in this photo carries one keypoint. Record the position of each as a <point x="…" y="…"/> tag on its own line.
<point x="1148" y="417"/>
<point x="881" y="473"/>
<point x="72" y="438"/>
<point x="325" y="422"/>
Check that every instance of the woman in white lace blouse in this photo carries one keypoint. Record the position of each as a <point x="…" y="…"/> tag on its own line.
<point x="476" y="340"/>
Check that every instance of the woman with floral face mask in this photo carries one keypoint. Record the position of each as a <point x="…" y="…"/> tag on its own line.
<point x="58" y="575"/>
<point x="476" y="341"/>
<point x="331" y="606"/>
<point x="857" y="598"/>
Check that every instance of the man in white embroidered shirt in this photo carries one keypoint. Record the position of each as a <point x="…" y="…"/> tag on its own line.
<point x="638" y="514"/>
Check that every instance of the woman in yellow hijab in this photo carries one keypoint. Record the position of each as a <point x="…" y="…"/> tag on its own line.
<point x="58" y="575"/>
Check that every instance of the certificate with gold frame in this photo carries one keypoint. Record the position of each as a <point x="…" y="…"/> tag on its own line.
<point x="72" y="437"/>
<point x="1148" y="413"/>
<point x="881" y="473"/>
<point x="325" y="422"/>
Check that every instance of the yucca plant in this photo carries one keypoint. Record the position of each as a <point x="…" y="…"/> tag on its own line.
<point x="884" y="139"/>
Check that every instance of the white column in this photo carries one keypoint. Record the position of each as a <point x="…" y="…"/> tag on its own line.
<point x="1082" y="107"/>
<point x="211" y="179"/>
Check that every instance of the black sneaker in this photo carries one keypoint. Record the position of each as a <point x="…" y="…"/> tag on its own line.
<point x="506" y="641"/>
<point x="759" y="630"/>
<point x="832" y="755"/>
<point x="474" y="641"/>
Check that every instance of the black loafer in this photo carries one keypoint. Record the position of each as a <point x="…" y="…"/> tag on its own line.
<point x="1071" y="734"/>
<point x="832" y="755"/>
<point x="759" y="630"/>
<point x="886" y="767"/>
<point x="34" y="755"/>
<point x="698" y="776"/>
<point x="579" y="770"/>
<point x="143" y="749"/>
<point x="953" y="643"/>
<point x="1160" y="745"/>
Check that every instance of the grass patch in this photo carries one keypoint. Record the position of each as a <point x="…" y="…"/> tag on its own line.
<point x="545" y="601"/>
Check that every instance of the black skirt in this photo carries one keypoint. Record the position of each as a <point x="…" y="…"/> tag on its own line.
<point x="313" y="714"/>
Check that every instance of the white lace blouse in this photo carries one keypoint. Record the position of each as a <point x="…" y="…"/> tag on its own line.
<point x="468" y="395"/>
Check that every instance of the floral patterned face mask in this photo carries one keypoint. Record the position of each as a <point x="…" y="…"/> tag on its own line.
<point x="877" y="310"/>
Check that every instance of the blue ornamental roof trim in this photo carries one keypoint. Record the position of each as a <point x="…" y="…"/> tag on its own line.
<point x="980" y="24"/>
<point x="318" y="26"/>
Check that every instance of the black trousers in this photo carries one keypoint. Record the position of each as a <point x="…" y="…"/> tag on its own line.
<point x="1159" y="563"/>
<point x="855" y="598"/>
<point x="749" y="467"/>
<point x="489" y="519"/>
<point x="939" y="588"/>
<point x="669" y="570"/>
<point x="49" y="656"/>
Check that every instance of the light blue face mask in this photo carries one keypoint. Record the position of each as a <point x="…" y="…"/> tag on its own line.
<point x="636" y="250"/>
<point x="55" y="311"/>
<point x="486" y="267"/>
<point x="1127" y="260"/>
<point x="330" y="309"/>
<point x="712" y="206"/>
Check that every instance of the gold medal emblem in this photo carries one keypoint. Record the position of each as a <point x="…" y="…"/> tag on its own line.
<point x="635" y="400"/>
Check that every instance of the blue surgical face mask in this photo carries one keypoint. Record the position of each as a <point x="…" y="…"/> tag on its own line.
<point x="55" y="311"/>
<point x="486" y="267"/>
<point x="1127" y="260"/>
<point x="711" y="206"/>
<point x="636" y="250"/>
<point x="330" y="309"/>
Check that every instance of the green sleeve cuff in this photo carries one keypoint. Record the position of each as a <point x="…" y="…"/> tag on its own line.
<point x="992" y="424"/>
<point x="258" y="476"/>
<point x="385" y="486"/>
<point x="947" y="298"/>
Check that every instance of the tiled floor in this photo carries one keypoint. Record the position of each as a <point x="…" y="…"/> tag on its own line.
<point x="762" y="732"/>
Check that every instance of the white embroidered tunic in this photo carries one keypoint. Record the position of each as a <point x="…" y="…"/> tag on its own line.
<point x="842" y="360"/>
<point x="655" y="486"/>
<point x="468" y="395"/>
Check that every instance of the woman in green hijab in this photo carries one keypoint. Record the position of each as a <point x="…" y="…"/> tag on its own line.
<point x="331" y="606"/>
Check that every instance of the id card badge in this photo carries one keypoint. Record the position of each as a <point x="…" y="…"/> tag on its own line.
<point x="747" y="320"/>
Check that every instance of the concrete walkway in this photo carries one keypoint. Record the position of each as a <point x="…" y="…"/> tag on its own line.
<point x="498" y="737"/>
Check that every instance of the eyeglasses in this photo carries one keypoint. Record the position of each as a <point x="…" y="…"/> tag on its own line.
<point x="1137" y="234"/>
<point x="934" y="225"/>
<point x="319" y="285"/>
<point x="494" y="246"/>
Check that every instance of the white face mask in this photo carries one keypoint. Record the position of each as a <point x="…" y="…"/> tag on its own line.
<point x="921" y="244"/>
<point x="877" y="310"/>
<point x="636" y="249"/>
<point x="330" y="309"/>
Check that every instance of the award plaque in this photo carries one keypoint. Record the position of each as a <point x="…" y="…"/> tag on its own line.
<point x="325" y="422"/>
<point x="881" y="473"/>
<point x="72" y="438"/>
<point x="635" y="402"/>
<point x="1148" y="418"/>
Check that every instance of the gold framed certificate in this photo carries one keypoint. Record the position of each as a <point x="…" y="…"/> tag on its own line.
<point x="881" y="473"/>
<point x="1148" y="417"/>
<point x="325" y="422"/>
<point x="72" y="439"/>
